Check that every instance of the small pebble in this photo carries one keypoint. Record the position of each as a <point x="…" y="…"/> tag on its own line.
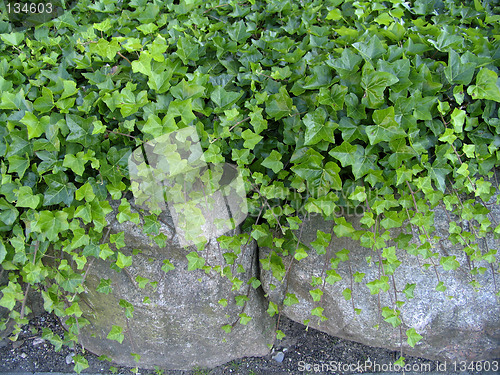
<point x="23" y="355"/>
<point x="69" y="358"/>
<point x="38" y="341"/>
<point x="278" y="357"/>
<point x="16" y="344"/>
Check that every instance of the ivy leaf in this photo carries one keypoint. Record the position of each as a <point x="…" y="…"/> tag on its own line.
<point x="392" y="220"/>
<point x="84" y="212"/>
<point x="129" y="308"/>
<point x="290" y="299"/>
<point x="377" y="285"/>
<point x="19" y="164"/>
<point x="371" y="50"/>
<point x="374" y="84"/>
<point x="347" y="294"/>
<point x="45" y="102"/>
<point x="386" y="128"/>
<point x="251" y="139"/>
<point x="118" y="239"/>
<point x="26" y="198"/>
<point x="35" y="126"/>
<point x="321" y="242"/>
<point x="167" y="266"/>
<point x="486" y="86"/>
<point x="272" y="309"/>
<point x="12" y="39"/>
<point x="227" y="328"/>
<point x="332" y="277"/>
<point x="194" y="261"/>
<point x="10" y="295"/>
<point x="3" y="251"/>
<point x="300" y="254"/>
<point x="279" y="105"/>
<point x="60" y="190"/>
<point x="80" y="363"/>
<point x="104" y="286"/>
<point x="343" y="228"/>
<point x="244" y="318"/>
<point x="187" y="90"/>
<point x="85" y="192"/>
<point x="187" y="50"/>
<point x="76" y="164"/>
<point x="238" y="32"/>
<point x="51" y="223"/>
<point x="458" y="71"/>
<point x="345" y="153"/>
<point x="318" y="311"/>
<point x="116" y="334"/>
<point x="123" y="261"/>
<point x="125" y="213"/>
<point x="347" y="63"/>
<point x="409" y="290"/>
<point x="413" y="337"/>
<point x="310" y="167"/>
<point x="316" y="129"/>
<point x="273" y="161"/>
<point x="224" y="99"/>
<point x="449" y="263"/>
<point x="316" y="294"/>
<point x="391" y="316"/>
<point x="151" y="224"/>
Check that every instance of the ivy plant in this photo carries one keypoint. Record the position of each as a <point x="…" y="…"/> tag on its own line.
<point x="327" y="106"/>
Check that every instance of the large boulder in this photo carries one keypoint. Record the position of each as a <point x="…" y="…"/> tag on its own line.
<point x="180" y="326"/>
<point x="459" y="324"/>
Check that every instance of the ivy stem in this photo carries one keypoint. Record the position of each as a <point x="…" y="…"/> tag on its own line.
<point x="423" y="228"/>
<point x="23" y="305"/>
<point x="119" y="53"/>
<point x="468" y="177"/>
<point x="401" y="318"/>
<point x="126" y="135"/>
<point x="232" y="127"/>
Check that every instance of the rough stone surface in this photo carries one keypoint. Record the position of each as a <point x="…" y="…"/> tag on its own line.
<point x="465" y="327"/>
<point x="181" y="326"/>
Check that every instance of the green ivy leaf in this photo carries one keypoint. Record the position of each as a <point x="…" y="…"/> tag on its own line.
<point x="251" y="139"/>
<point x="80" y="363"/>
<point x="413" y="337"/>
<point x="51" y="223"/>
<point x="486" y="86"/>
<point x="123" y="261"/>
<point x="116" y="334"/>
<point x="378" y="285"/>
<point x="104" y="286"/>
<point x="458" y="70"/>
<point x="60" y="190"/>
<point x="409" y="290"/>
<point x="290" y="299"/>
<point x="194" y="261"/>
<point x="273" y="161"/>
<point x="25" y="198"/>
<point x="10" y="295"/>
<point x="244" y="318"/>
<point x="224" y="99"/>
<point x="347" y="294"/>
<point x="374" y="83"/>
<point x="386" y="128"/>
<point x="279" y="105"/>
<point x="449" y="263"/>
<point x="76" y="164"/>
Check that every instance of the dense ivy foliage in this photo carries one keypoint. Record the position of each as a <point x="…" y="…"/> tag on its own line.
<point x="384" y="108"/>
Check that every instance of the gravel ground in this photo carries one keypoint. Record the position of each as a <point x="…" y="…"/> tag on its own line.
<point x="290" y="356"/>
